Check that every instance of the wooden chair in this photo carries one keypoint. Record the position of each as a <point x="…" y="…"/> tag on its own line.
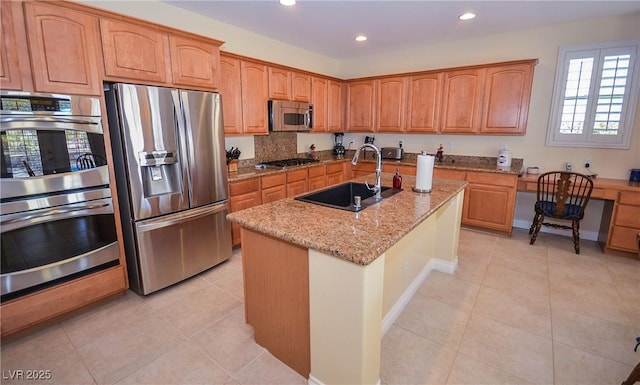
<point x="561" y="196"/>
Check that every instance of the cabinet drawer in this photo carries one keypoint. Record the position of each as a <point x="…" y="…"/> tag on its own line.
<point x="294" y="176"/>
<point x="627" y="216"/>
<point x="335" y="168"/>
<point x="244" y="186"/>
<point x="629" y="198"/>
<point x="492" y="179"/>
<point x="623" y="238"/>
<point x="449" y="174"/>
<point x="274" y="180"/>
<point x="603" y="193"/>
<point x="316" y="171"/>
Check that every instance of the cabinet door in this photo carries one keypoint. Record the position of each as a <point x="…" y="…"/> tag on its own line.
<point x="279" y="84"/>
<point x="134" y="52"/>
<point x="390" y="104"/>
<point x="255" y="86"/>
<point x="194" y="62"/>
<point x="362" y="169"/>
<point x="301" y="87"/>
<point x="506" y="99"/>
<point x="335" y="173"/>
<point x="424" y="101"/>
<point x="319" y="101"/>
<point x="334" y="106"/>
<point x="461" y="101"/>
<point x="361" y="97"/>
<point x="238" y="203"/>
<point x="63" y="45"/>
<point x="489" y="201"/>
<point x="317" y="178"/>
<point x="273" y="194"/>
<point x="297" y="188"/>
<point x="402" y="169"/>
<point x="9" y="65"/>
<point x="231" y="91"/>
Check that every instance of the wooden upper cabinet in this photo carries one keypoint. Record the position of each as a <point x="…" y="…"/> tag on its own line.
<point x="231" y="92"/>
<point x="462" y="101"/>
<point x="63" y="45"/>
<point x="424" y="101"/>
<point x="506" y="99"/>
<point x="390" y="104"/>
<point x="334" y="106"/>
<point x="255" y="86"/>
<point x="134" y="52"/>
<point x="361" y="97"/>
<point x="194" y="62"/>
<point x="10" y="78"/>
<point x="319" y="101"/>
<point x="300" y="87"/>
<point x="279" y="83"/>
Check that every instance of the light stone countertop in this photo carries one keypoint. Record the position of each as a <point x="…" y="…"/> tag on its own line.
<point x="357" y="237"/>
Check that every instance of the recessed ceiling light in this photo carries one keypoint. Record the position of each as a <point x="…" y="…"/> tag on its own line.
<point x="467" y="16"/>
<point x="361" y="38"/>
<point x="288" y="3"/>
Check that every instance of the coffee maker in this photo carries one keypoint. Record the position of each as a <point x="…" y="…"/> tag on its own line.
<point x="338" y="148"/>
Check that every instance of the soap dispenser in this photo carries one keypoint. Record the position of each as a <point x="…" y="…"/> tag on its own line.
<point x="397" y="180"/>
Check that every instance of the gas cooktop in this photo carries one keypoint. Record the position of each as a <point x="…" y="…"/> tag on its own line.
<point x="289" y="162"/>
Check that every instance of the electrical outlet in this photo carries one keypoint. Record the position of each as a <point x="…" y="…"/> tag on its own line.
<point x="450" y="145"/>
<point x="587" y="163"/>
<point x="568" y="166"/>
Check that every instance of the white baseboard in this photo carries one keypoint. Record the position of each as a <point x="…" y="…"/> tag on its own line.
<point x="584" y="234"/>
<point x="442" y="265"/>
<point x="314" y="381"/>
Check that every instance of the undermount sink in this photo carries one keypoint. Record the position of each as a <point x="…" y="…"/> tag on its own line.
<point x="341" y="196"/>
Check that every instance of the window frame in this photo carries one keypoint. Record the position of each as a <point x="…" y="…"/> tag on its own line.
<point x="622" y="140"/>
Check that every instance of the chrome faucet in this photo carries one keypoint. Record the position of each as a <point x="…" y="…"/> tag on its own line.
<point x="377" y="188"/>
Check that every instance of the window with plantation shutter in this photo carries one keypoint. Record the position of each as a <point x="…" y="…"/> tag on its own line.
<point x="595" y="95"/>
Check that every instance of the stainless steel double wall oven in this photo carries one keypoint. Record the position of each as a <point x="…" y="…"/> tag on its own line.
<point x="57" y="216"/>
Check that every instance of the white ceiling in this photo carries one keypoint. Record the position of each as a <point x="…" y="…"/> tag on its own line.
<point x="328" y="27"/>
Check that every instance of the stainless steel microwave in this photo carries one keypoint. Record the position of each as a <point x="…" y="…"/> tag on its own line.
<point x="285" y="115"/>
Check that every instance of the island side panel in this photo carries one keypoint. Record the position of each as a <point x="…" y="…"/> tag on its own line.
<point x="276" y="297"/>
<point x="448" y="232"/>
<point x="346" y="319"/>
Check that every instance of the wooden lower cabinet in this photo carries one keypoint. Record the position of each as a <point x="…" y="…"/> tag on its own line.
<point x="402" y="169"/>
<point x="625" y="226"/>
<point x="274" y="187"/>
<point x="362" y="169"/>
<point x="243" y="195"/>
<point x="335" y="173"/>
<point x="297" y="182"/>
<point x="317" y="178"/>
<point x="489" y="201"/>
<point x="489" y="198"/>
<point x="32" y="309"/>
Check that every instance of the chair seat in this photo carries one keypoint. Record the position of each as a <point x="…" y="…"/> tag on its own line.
<point x="570" y="212"/>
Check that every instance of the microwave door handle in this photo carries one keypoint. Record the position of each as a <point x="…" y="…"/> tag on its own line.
<point x="307" y="119"/>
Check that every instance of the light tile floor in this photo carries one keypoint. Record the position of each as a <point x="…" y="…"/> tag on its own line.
<point x="511" y="314"/>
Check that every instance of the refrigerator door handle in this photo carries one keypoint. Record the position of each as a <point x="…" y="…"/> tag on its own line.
<point x="182" y="142"/>
<point x="188" y="137"/>
<point x="183" y="216"/>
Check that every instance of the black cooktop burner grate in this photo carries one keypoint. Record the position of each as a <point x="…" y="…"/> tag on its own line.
<point x="290" y="162"/>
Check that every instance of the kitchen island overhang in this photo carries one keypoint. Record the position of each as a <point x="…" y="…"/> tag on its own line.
<point x="346" y="275"/>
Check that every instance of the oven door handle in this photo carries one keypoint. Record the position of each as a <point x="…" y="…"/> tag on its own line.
<point x="88" y="124"/>
<point x="48" y="215"/>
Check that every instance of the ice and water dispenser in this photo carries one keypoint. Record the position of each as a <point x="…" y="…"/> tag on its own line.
<point x="160" y="173"/>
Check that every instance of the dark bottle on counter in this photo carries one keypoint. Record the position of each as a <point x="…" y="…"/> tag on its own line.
<point x="397" y="180"/>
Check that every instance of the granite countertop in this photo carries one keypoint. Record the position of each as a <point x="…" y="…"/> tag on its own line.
<point x="462" y="163"/>
<point x="357" y="237"/>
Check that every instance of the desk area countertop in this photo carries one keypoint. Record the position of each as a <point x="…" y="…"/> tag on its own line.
<point x="603" y="188"/>
<point x="357" y="237"/>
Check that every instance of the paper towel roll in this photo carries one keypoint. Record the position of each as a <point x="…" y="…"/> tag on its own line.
<point x="424" y="173"/>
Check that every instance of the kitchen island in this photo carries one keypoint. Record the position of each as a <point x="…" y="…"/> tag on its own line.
<point x="323" y="285"/>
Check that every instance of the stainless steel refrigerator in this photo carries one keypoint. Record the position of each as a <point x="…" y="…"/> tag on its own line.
<point x="171" y="176"/>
